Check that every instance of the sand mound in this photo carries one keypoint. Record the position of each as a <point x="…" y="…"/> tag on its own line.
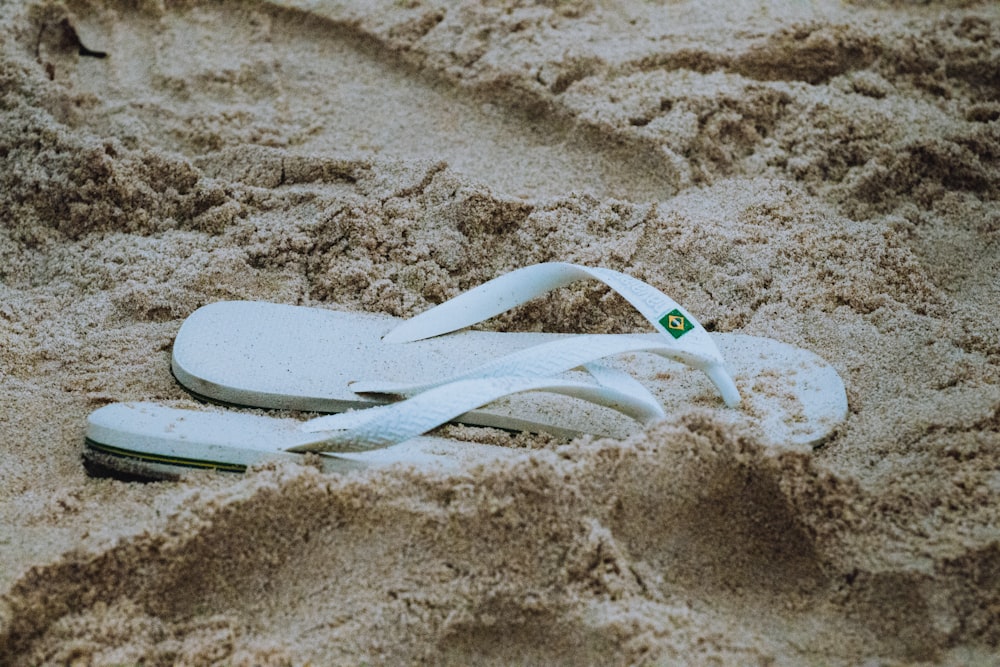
<point x="826" y="174"/>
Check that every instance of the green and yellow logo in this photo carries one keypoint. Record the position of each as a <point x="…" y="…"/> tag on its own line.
<point x="676" y="323"/>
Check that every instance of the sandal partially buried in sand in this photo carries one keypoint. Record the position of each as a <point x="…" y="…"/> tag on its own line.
<point x="311" y="359"/>
<point x="152" y="441"/>
<point x="269" y="355"/>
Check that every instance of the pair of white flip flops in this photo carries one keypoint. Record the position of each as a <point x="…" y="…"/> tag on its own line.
<point x="391" y="381"/>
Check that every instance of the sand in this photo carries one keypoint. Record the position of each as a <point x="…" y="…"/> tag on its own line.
<point x="823" y="173"/>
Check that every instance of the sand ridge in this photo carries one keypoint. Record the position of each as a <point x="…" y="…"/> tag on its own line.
<point x="822" y="173"/>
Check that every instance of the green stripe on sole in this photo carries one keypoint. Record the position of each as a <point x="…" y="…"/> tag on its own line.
<point x="199" y="464"/>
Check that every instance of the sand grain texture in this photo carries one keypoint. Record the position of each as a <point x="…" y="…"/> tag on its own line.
<point x="823" y="173"/>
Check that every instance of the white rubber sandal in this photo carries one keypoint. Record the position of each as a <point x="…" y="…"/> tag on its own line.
<point x="151" y="441"/>
<point x="279" y="356"/>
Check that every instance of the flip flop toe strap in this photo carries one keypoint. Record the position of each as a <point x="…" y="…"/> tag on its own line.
<point x="391" y="424"/>
<point x="681" y="332"/>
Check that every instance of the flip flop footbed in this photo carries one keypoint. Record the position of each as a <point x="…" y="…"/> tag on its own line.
<point x="158" y="442"/>
<point x="280" y="356"/>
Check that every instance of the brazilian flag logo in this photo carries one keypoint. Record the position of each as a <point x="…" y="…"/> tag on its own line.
<point x="676" y="323"/>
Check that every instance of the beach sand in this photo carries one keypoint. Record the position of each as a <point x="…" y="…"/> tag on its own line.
<point x="823" y="173"/>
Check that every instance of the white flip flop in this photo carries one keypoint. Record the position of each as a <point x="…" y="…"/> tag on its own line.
<point x="151" y="441"/>
<point x="279" y="356"/>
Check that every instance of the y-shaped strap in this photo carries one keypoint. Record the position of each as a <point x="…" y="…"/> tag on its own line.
<point x="682" y="333"/>
<point x="385" y="425"/>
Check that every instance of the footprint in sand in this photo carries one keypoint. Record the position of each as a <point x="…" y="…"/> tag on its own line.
<point x="206" y="78"/>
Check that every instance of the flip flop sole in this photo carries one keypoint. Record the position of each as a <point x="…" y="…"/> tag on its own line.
<point x="292" y="357"/>
<point x="151" y="442"/>
<point x="103" y="460"/>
